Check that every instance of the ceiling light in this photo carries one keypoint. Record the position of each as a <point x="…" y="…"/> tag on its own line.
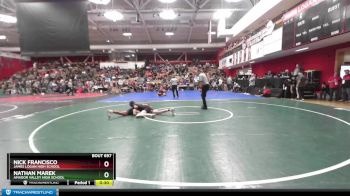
<point x="203" y="49"/>
<point x="154" y="49"/>
<point x="113" y="15"/>
<point x="133" y="55"/>
<point x="168" y="14"/>
<point x="127" y="34"/>
<point x="7" y="18"/>
<point x="212" y="33"/>
<point x="2" y="37"/>
<point x="170" y="49"/>
<point x="194" y="48"/>
<point x="169" y="33"/>
<point x="302" y="49"/>
<point x="233" y="1"/>
<point x="127" y="56"/>
<point x="167" y="1"/>
<point x="101" y="2"/>
<point x="222" y="14"/>
<point x="108" y="41"/>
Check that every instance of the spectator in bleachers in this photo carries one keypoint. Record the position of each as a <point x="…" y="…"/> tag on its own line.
<point x="54" y="78"/>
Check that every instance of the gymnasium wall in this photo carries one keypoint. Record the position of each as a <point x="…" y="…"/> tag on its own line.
<point x="10" y="66"/>
<point x="321" y="59"/>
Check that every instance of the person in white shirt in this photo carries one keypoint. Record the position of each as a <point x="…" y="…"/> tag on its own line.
<point x="204" y="86"/>
<point x="229" y="83"/>
<point x="221" y="82"/>
<point x="252" y="81"/>
<point x="174" y="83"/>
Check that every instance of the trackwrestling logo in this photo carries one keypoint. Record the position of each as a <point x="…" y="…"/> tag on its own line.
<point x="29" y="192"/>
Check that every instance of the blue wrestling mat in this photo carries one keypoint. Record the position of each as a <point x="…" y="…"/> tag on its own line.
<point x="184" y="96"/>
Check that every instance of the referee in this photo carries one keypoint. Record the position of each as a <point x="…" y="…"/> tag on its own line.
<point x="203" y="83"/>
<point x="174" y="84"/>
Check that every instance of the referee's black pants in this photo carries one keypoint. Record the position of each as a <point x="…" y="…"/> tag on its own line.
<point x="205" y="89"/>
<point x="175" y="91"/>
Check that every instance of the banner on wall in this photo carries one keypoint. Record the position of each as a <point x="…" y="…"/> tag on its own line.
<point x="248" y="54"/>
<point x="273" y="42"/>
<point x="234" y="58"/>
<point x="258" y="37"/>
<point x="266" y="41"/>
<point x="229" y="60"/>
<point x="257" y="50"/>
<point x="222" y="63"/>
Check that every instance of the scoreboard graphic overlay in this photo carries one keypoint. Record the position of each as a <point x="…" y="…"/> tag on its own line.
<point x="61" y="169"/>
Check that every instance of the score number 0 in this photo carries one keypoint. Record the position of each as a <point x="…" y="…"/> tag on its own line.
<point x="106" y="164"/>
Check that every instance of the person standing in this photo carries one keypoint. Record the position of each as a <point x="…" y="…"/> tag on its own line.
<point x="229" y="83"/>
<point x="293" y="90"/>
<point x="324" y="90"/>
<point x="346" y="86"/>
<point x="174" y="83"/>
<point x="301" y="81"/>
<point x="251" y="87"/>
<point x="204" y="86"/>
<point x="334" y="84"/>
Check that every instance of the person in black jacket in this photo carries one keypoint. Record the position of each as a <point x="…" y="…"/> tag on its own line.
<point x="324" y="90"/>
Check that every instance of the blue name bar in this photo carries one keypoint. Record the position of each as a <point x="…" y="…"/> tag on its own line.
<point x="30" y="192"/>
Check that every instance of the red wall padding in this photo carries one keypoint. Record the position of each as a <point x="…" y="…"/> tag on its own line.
<point x="321" y="59"/>
<point x="9" y="66"/>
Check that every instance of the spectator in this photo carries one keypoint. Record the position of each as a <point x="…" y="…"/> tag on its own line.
<point x="324" y="91"/>
<point x="229" y="83"/>
<point x="293" y="90"/>
<point x="334" y="84"/>
<point x="266" y="92"/>
<point x="297" y="70"/>
<point x="346" y="86"/>
<point x="301" y="82"/>
<point x="285" y="74"/>
<point x="252" y="81"/>
<point x="269" y="75"/>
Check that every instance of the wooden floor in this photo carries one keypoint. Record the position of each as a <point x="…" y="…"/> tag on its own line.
<point x="336" y="104"/>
